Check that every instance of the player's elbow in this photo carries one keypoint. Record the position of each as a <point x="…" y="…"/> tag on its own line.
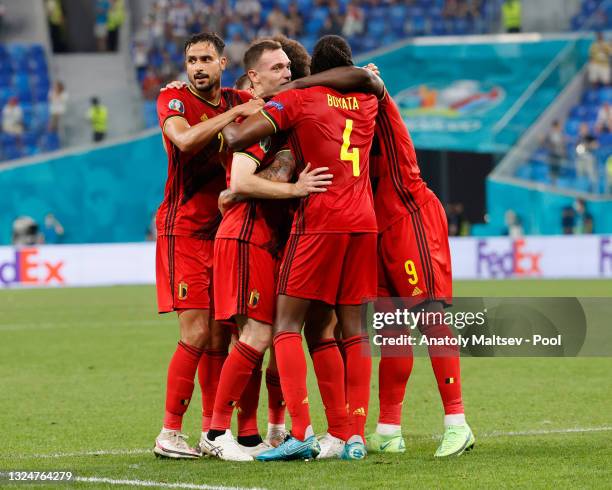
<point x="372" y="82"/>
<point x="231" y="137"/>
<point x="184" y="144"/>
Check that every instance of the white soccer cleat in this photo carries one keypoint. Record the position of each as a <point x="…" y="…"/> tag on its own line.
<point x="255" y="450"/>
<point x="224" y="447"/>
<point x="172" y="444"/>
<point x="275" y="438"/>
<point x="331" y="447"/>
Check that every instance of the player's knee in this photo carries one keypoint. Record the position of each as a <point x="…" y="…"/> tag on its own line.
<point x="195" y="329"/>
<point x="219" y="337"/>
<point x="257" y="335"/>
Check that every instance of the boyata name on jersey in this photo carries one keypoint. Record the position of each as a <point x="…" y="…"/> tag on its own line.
<point x="348" y="103"/>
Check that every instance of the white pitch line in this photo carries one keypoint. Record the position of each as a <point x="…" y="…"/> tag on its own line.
<point x="110" y="452"/>
<point x="543" y="432"/>
<point x="150" y="483"/>
<point x="128" y="452"/>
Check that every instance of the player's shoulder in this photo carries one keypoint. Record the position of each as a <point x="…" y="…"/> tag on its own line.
<point x="242" y="95"/>
<point x="182" y="93"/>
<point x="175" y="99"/>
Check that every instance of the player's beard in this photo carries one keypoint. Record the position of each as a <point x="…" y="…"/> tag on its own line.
<point x="205" y="85"/>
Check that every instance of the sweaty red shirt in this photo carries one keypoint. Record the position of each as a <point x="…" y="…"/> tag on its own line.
<point x="262" y="222"/>
<point x="195" y="179"/>
<point x="400" y="190"/>
<point x="334" y="130"/>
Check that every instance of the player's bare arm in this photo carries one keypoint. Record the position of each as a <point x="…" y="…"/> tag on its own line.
<point x="193" y="138"/>
<point x="244" y="181"/>
<point x="250" y="131"/>
<point x="280" y="170"/>
<point x="342" y="79"/>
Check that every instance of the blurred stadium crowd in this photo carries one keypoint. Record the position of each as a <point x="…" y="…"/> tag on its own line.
<point x="576" y="153"/>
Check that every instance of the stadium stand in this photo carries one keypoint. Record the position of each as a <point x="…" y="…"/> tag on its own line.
<point x="593" y="14"/>
<point x="24" y="75"/>
<point x="367" y="25"/>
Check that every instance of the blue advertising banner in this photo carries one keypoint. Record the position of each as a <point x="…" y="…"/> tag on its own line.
<point x="454" y="96"/>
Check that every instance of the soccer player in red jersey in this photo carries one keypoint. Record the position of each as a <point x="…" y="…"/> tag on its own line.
<point x="330" y="259"/>
<point x="247" y="249"/>
<point x="414" y="263"/>
<point x="191" y="120"/>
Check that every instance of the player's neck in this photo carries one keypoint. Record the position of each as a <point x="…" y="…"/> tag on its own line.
<point x="213" y="95"/>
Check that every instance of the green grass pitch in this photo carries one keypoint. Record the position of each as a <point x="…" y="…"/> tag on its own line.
<point x="83" y="371"/>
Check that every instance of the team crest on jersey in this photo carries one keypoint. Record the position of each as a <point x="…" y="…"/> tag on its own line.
<point x="265" y="144"/>
<point x="176" y="105"/>
<point x="204" y="117"/>
<point x="275" y="104"/>
<point x="182" y="290"/>
<point x="254" y="298"/>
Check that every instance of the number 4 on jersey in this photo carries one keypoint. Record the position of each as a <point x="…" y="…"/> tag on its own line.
<point x="345" y="154"/>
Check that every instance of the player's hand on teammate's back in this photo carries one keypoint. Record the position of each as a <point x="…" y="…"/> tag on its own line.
<point x="249" y="108"/>
<point x="311" y="181"/>
<point x="227" y="199"/>
<point x="178" y="84"/>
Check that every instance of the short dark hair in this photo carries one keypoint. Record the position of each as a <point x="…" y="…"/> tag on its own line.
<point x="206" y="37"/>
<point x="330" y="52"/>
<point x="243" y="82"/>
<point x="256" y="49"/>
<point x="297" y="54"/>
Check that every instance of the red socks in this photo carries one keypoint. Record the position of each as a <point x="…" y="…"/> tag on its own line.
<point x="235" y="375"/>
<point x="292" y="368"/>
<point x="209" y="372"/>
<point x="358" y="373"/>
<point x="329" y="368"/>
<point x="446" y="367"/>
<point x="179" y="388"/>
<point x="393" y="374"/>
<point x="276" y="402"/>
<point x="249" y="400"/>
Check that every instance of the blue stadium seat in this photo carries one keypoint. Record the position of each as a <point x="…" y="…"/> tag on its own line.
<point x="12" y="152"/>
<point x="589" y="6"/>
<point x="605" y="95"/>
<point x="397" y="18"/>
<point x="313" y="26"/>
<point x="30" y="138"/>
<point x="50" y="142"/>
<point x="523" y="172"/>
<point x="591" y="96"/>
<point x="572" y="126"/>
<point x="377" y="28"/>
<point x="579" y="112"/>
<point x="605" y="140"/>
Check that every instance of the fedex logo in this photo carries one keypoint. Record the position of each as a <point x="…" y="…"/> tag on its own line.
<point x="28" y="269"/>
<point x="515" y="261"/>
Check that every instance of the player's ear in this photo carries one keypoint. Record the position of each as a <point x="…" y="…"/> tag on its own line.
<point x="223" y="62"/>
<point x="253" y="76"/>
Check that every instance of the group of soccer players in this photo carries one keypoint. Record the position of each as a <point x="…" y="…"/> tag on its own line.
<point x="287" y="216"/>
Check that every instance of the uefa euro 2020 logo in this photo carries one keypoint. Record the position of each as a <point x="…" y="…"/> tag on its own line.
<point x="455" y="107"/>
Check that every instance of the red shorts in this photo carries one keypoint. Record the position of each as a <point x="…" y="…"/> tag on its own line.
<point x="183" y="273"/>
<point x="414" y="258"/>
<point x="245" y="281"/>
<point x="336" y="268"/>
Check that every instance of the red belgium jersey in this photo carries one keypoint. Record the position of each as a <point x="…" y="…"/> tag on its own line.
<point x="400" y="190"/>
<point x="195" y="179"/>
<point x="262" y="222"/>
<point x="334" y="130"/>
